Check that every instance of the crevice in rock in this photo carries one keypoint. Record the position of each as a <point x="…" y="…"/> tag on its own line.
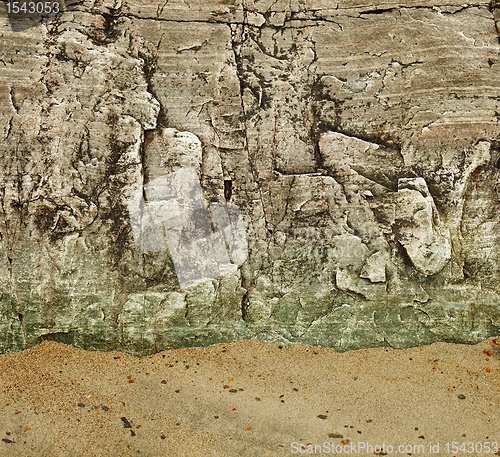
<point x="23" y="328"/>
<point x="59" y="337"/>
<point x="494" y="8"/>
<point x="149" y="58"/>
<point x="13" y="101"/>
<point x="238" y="36"/>
<point x="187" y="21"/>
<point x="298" y="173"/>
<point x="244" y="305"/>
<point x="378" y="10"/>
<point x="160" y="8"/>
<point x="495" y="153"/>
<point x="9" y="128"/>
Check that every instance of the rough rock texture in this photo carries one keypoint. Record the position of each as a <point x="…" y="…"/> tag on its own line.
<point x="419" y="229"/>
<point x="358" y="141"/>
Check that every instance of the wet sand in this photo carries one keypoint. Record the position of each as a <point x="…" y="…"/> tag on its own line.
<point x="250" y="399"/>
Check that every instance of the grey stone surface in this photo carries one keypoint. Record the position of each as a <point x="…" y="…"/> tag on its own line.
<point x="358" y="142"/>
<point x="419" y="228"/>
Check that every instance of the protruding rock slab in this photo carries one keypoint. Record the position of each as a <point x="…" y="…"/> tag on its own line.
<point x="419" y="228"/>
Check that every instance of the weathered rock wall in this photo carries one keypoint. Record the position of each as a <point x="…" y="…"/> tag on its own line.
<point x="360" y="143"/>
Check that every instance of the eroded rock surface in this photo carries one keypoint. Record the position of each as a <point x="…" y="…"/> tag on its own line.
<point x="419" y="228"/>
<point x="359" y="143"/>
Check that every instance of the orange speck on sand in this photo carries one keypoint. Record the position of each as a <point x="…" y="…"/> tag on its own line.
<point x="27" y="428"/>
<point x="131" y="380"/>
<point x="249" y="428"/>
<point x="488" y="369"/>
<point x="346" y="441"/>
<point x="225" y="386"/>
<point x="230" y="379"/>
<point x="138" y="426"/>
<point x="487" y="358"/>
<point x="234" y="409"/>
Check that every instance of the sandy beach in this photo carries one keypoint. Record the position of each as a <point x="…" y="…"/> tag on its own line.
<point x="251" y="399"/>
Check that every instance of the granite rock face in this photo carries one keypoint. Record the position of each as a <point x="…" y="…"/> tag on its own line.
<point x="181" y="173"/>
